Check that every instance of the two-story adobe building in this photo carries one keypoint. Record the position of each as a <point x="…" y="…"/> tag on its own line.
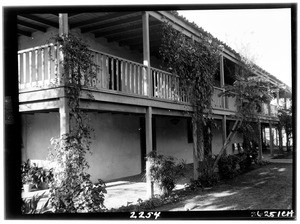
<point x="135" y="108"/>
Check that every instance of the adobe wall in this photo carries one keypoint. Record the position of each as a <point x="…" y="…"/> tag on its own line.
<point x="172" y="138"/>
<point x="116" y="147"/>
<point x="115" y="144"/>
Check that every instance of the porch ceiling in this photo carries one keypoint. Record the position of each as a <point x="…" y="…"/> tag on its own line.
<point x="123" y="27"/>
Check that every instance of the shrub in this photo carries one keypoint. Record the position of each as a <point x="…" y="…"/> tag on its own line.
<point x="207" y="177"/>
<point x="165" y="170"/>
<point x="228" y="166"/>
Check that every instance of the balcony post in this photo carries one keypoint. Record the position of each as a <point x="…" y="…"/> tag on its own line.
<point x="224" y="129"/>
<point x="195" y="151"/>
<point x="222" y="79"/>
<point x="271" y="139"/>
<point x="259" y="141"/>
<point x="146" y="53"/>
<point x="64" y="108"/>
<point x="63" y="24"/>
<point x="149" y="148"/>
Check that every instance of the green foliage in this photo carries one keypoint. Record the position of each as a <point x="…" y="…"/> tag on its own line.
<point x="72" y="190"/>
<point x="32" y="174"/>
<point x="228" y="166"/>
<point x="165" y="170"/>
<point x="195" y="63"/>
<point x="207" y="177"/>
<point x="286" y="121"/>
<point x="30" y="205"/>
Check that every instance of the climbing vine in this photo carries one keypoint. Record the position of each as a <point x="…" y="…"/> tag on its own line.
<point x="72" y="191"/>
<point x="195" y="63"/>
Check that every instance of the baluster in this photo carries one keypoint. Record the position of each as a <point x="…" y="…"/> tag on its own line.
<point x="112" y="72"/>
<point x="19" y="70"/>
<point x="24" y="68"/>
<point x="30" y="68"/>
<point x="122" y="86"/>
<point x="125" y="77"/>
<point x="117" y="75"/>
<point x="43" y="65"/>
<point x="138" y="80"/>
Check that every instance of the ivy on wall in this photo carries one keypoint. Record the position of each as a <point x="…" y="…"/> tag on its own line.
<point x="72" y="190"/>
<point x="195" y="63"/>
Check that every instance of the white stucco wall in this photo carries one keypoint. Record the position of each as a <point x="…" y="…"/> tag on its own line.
<point x="116" y="147"/>
<point x="171" y="138"/>
<point x="37" y="130"/>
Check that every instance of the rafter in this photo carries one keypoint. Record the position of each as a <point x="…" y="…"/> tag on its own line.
<point x="40" y="20"/>
<point x="25" y="33"/>
<point x="117" y="25"/>
<point x="33" y="26"/>
<point x="112" y="18"/>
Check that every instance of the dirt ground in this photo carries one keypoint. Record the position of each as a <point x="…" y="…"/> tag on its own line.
<point x="268" y="187"/>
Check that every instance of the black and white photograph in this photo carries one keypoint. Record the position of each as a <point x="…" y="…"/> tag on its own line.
<point x="149" y="112"/>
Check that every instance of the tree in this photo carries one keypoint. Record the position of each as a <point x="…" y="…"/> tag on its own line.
<point x="250" y="92"/>
<point x="286" y="122"/>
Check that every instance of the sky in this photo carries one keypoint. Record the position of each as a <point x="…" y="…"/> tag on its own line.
<point x="263" y="35"/>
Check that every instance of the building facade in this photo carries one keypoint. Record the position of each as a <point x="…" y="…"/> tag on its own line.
<point x="135" y="108"/>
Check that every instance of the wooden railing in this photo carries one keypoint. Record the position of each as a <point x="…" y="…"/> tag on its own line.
<point x="39" y="67"/>
<point x="119" y="74"/>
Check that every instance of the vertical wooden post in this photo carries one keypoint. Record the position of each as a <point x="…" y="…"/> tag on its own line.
<point x="146" y="54"/>
<point x="63" y="24"/>
<point x="149" y="148"/>
<point x="271" y="139"/>
<point x="280" y="140"/>
<point x="259" y="142"/>
<point x="222" y="79"/>
<point x="224" y="130"/>
<point x="64" y="107"/>
<point x="195" y="151"/>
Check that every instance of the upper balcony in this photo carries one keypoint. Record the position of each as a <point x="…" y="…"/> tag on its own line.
<point x="40" y="69"/>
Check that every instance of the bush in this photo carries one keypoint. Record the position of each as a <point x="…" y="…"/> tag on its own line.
<point x="228" y="166"/>
<point x="207" y="177"/>
<point x="164" y="170"/>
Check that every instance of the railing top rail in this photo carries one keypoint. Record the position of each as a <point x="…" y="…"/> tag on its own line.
<point x="35" y="48"/>
<point x="159" y="70"/>
<point x="117" y="57"/>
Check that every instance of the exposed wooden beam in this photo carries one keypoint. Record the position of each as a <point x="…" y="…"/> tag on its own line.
<point x="117" y="36"/>
<point x="97" y="19"/>
<point x="40" y="20"/>
<point x="25" y="33"/>
<point x="109" y="18"/>
<point x="37" y="106"/>
<point x="117" y="25"/>
<point x="120" y="30"/>
<point x="30" y="25"/>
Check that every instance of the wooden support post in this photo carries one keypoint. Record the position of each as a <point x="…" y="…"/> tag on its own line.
<point x="271" y="139"/>
<point x="195" y="151"/>
<point x="280" y="140"/>
<point x="146" y="54"/>
<point x="63" y="24"/>
<point x="64" y="107"/>
<point x="64" y="116"/>
<point x="259" y="142"/>
<point x="149" y="148"/>
<point x="222" y="79"/>
<point x="224" y="129"/>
